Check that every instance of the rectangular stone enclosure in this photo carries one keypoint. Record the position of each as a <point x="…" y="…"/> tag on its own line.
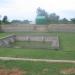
<point x="53" y="40"/>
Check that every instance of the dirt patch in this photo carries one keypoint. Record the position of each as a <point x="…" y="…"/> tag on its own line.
<point x="11" y="72"/>
<point x="68" y="71"/>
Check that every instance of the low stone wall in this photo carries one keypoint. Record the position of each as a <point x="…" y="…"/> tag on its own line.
<point x="54" y="40"/>
<point x="38" y="28"/>
<point x="6" y="41"/>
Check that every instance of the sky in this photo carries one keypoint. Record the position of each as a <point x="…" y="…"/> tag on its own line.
<point x="26" y="9"/>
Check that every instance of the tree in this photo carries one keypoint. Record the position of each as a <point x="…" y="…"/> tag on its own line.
<point x="16" y="21"/>
<point x="0" y="24"/>
<point x="20" y="22"/>
<point x="64" y="21"/>
<point x="0" y="20"/>
<point x="53" y="18"/>
<point x="5" y="20"/>
<point x="26" y="21"/>
<point x="73" y="20"/>
<point x="41" y="12"/>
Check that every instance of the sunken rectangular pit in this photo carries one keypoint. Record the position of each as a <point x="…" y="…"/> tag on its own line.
<point x="30" y="41"/>
<point x="37" y="41"/>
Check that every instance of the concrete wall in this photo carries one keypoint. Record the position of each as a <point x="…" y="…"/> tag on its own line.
<point x="54" y="40"/>
<point x="38" y="28"/>
<point x="24" y="28"/>
<point x="6" y="41"/>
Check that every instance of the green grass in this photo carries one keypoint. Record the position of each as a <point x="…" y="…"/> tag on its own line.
<point x="37" y="68"/>
<point x="32" y="44"/>
<point x="66" y="51"/>
<point x="4" y="34"/>
<point x="37" y="53"/>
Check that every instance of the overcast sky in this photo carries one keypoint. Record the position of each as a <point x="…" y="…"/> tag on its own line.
<point x="26" y="9"/>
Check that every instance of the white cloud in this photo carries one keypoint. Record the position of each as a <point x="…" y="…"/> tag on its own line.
<point x="27" y="8"/>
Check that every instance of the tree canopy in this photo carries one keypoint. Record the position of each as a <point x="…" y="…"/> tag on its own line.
<point x="5" y="20"/>
<point x="73" y="20"/>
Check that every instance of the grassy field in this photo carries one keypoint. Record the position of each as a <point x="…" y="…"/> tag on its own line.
<point x="37" y="53"/>
<point x="66" y="51"/>
<point x="4" y="34"/>
<point x="37" y="68"/>
<point x="67" y="39"/>
<point x="34" y="44"/>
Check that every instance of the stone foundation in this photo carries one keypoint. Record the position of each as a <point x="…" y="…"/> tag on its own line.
<point x="54" y="40"/>
<point x="6" y="41"/>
